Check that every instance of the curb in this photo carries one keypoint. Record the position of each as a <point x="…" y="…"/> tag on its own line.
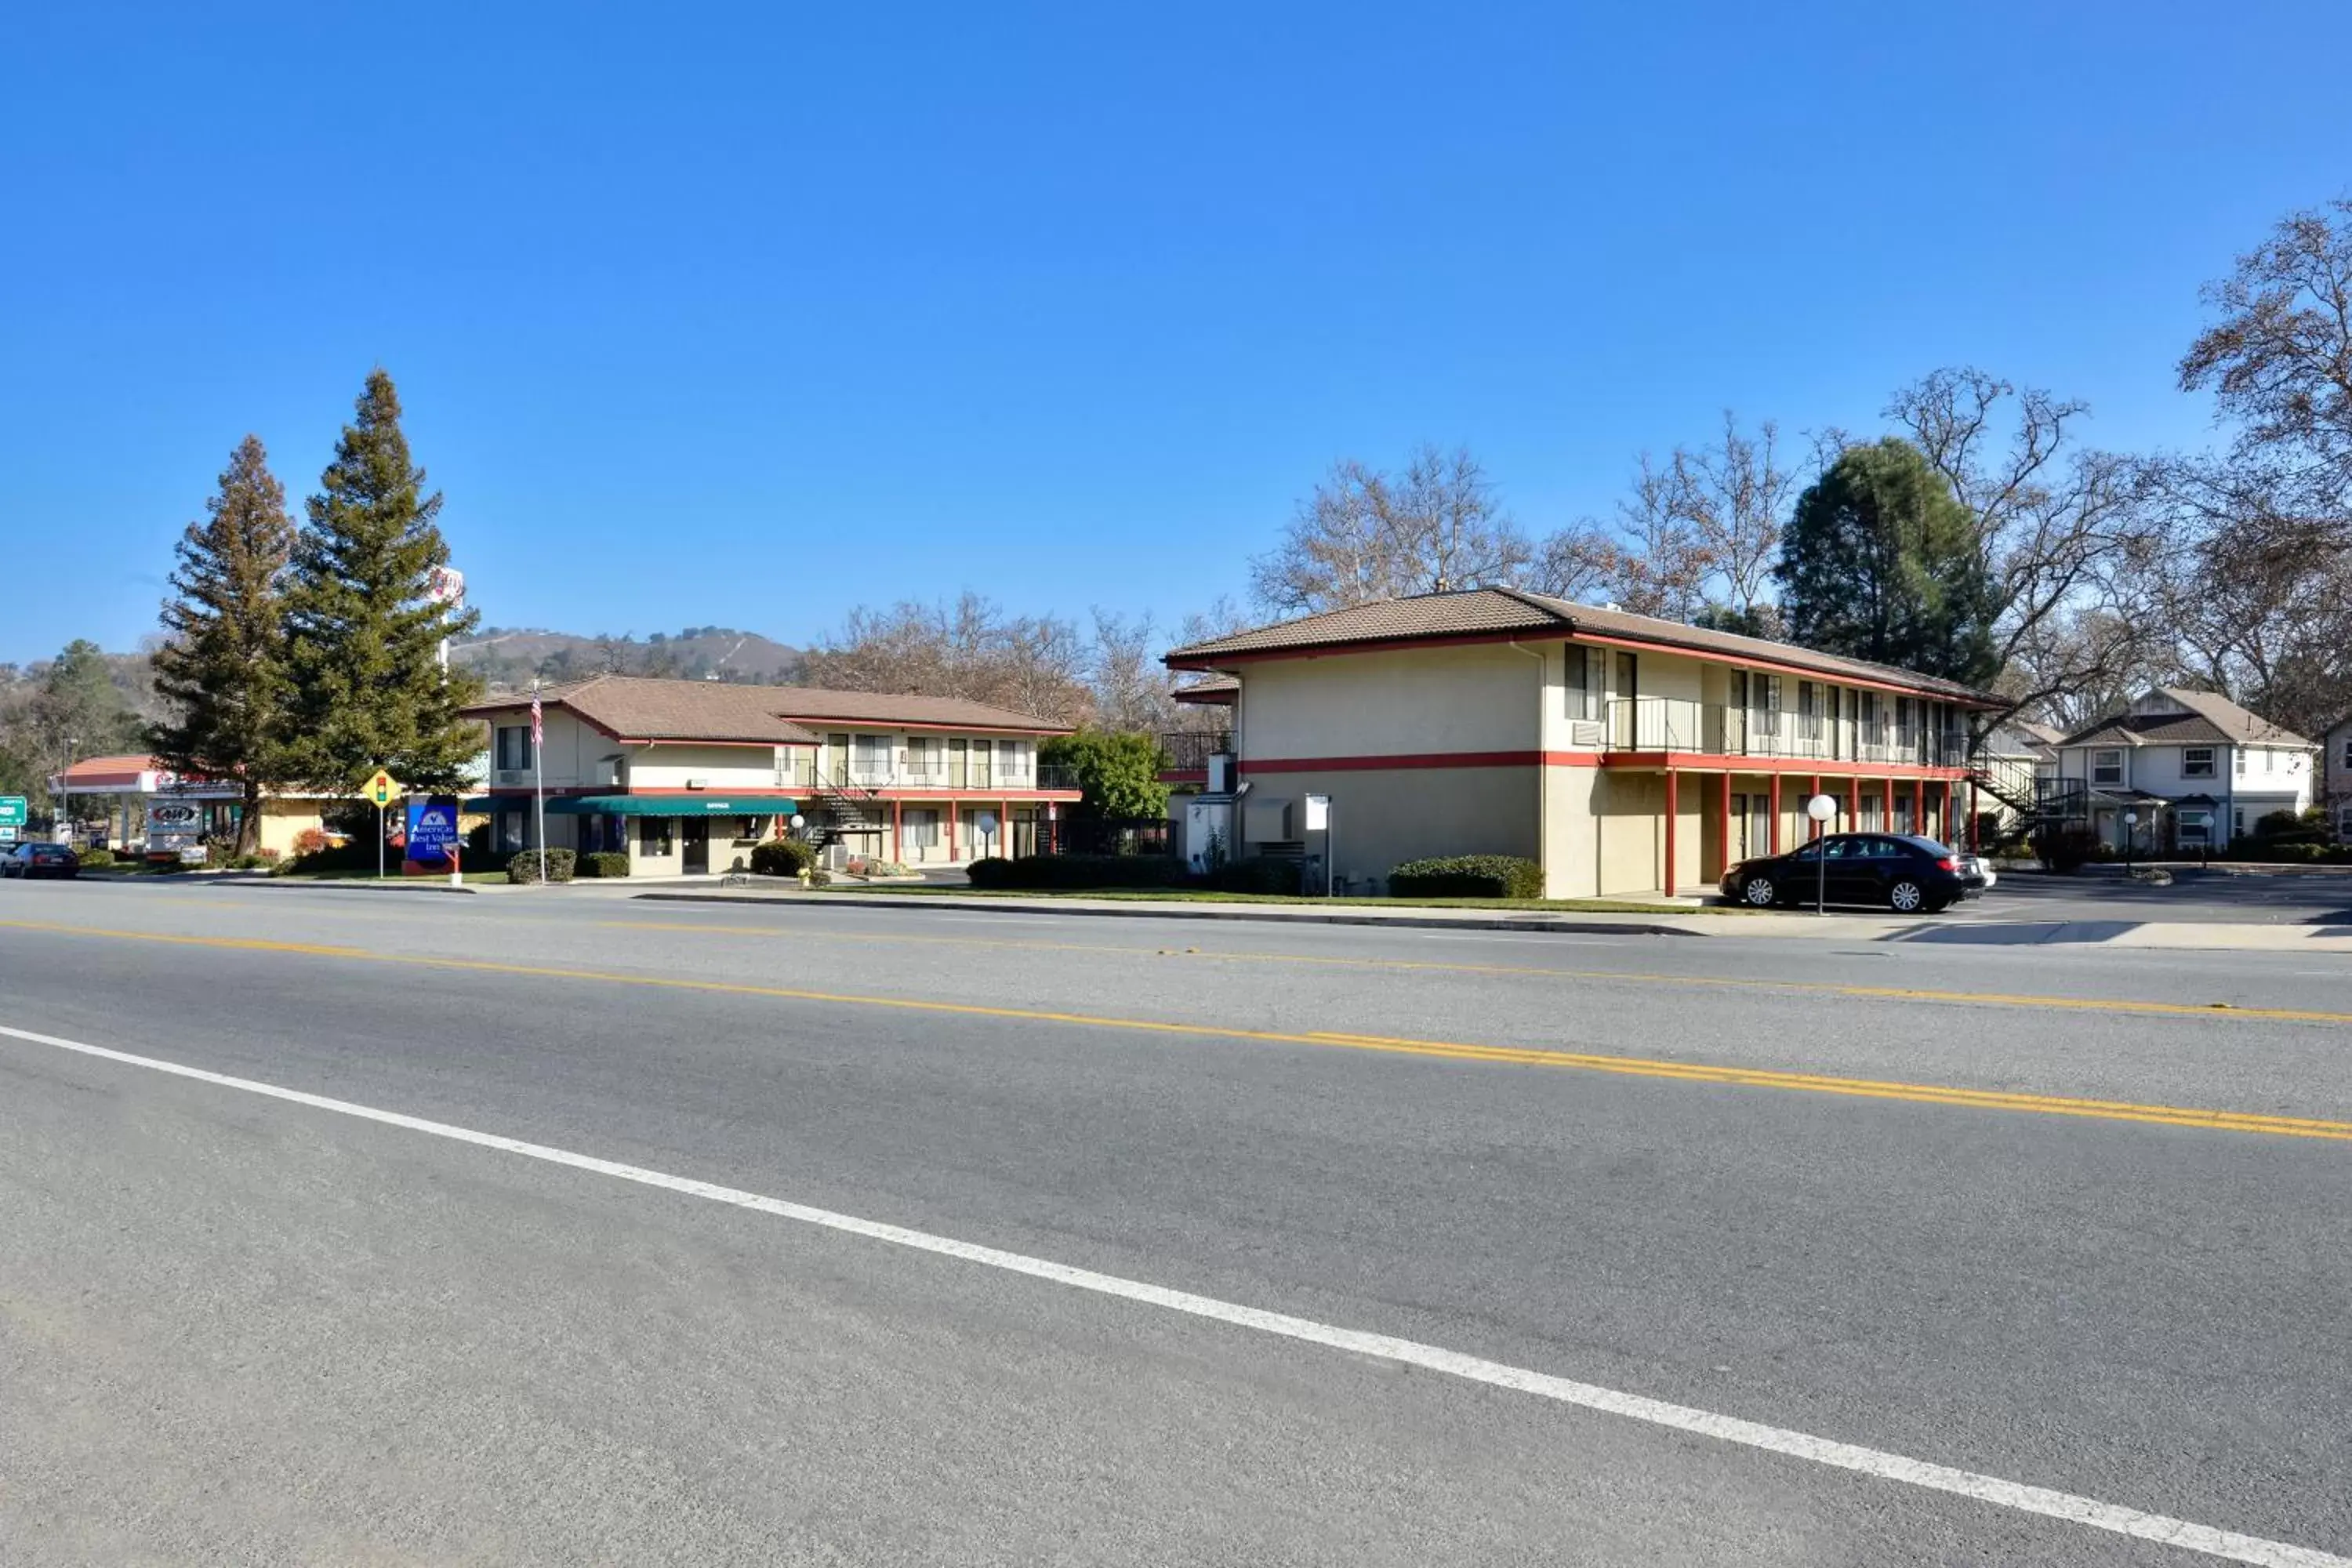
<point x="356" y="885"/>
<point x="1563" y="927"/>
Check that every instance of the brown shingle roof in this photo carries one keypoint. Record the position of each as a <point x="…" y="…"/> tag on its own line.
<point x="2212" y="719"/>
<point x="1474" y="612"/>
<point x="637" y="707"/>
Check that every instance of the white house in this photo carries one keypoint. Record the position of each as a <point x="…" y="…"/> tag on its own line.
<point x="2193" y="767"/>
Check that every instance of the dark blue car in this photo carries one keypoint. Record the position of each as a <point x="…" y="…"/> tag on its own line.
<point x="1898" y="871"/>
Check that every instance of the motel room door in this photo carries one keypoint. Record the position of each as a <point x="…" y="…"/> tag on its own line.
<point x="694" y="846"/>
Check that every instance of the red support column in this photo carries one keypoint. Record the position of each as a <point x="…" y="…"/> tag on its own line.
<point x="1004" y="828"/>
<point x="950" y="813"/>
<point x="1723" y="811"/>
<point x="897" y="820"/>
<point x="1919" y="805"/>
<point x="1817" y="828"/>
<point x="1673" y="811"/>
<point x="1776" y="814"/>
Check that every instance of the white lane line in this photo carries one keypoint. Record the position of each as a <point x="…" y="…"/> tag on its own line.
<point x="2017" y="1495"/>
<point x="1519" y="936"/>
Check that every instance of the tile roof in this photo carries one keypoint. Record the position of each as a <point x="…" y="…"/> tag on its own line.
<point x="1474" y="612"/>
<point x="88" y="769"/>
<point x="2212" y="719"/>
<point x="639" y="708"/>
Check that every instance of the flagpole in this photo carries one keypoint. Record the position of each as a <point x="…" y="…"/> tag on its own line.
<point x="539" y="779"/>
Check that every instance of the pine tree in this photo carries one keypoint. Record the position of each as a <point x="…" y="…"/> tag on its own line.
<point x="224" y="669"/>
<point x="1881" y="561"/>
<point x="363" y="632"/>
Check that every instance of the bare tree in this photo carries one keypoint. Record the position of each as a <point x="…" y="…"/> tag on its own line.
<point x="2072" y="537"/>
<point x="972" y="650"/>
<point x="2280" y="359"/>
<point x="1696" y="537"/>
<point x="1365" y="535"/>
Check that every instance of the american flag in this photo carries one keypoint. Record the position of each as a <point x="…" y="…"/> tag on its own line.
<point x="535" y="734"/>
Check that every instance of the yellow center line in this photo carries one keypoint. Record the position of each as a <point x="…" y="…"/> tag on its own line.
<point x="1688" y="1072"/>
<point x="1747" y="983"/>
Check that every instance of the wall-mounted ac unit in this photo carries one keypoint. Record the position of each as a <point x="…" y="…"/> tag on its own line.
<point x="511" y="777"/>
<point x="697" y="783"/>
<point x="1584" y="732"/>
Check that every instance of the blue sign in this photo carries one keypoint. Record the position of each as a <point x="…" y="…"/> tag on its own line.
<point x="433" y="834"/>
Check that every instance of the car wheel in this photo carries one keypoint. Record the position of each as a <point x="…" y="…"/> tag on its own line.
<point x="1759" y="892"/>
<point x="1907" y="896"/>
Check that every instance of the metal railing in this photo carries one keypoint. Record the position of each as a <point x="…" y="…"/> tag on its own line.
<point x="1189" y="751"/>
<point x="1721" y="730"/>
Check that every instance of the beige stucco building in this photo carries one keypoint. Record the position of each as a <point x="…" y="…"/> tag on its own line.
<point x="687" y="777"/>
<point x="1625" y="754"/>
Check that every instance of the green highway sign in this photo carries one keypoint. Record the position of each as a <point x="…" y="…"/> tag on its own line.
<point x="12" y="810"/>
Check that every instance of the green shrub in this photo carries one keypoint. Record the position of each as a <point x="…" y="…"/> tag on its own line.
<point x="819" y="876"/>
<point x="992" y="872"/>
<point x="603" y="863"/>
<point x="781" y="856"/>
<point x="1467" y="877"/>
<point x="2275" y="823"/>
<point x="2064" y="849"/>
<point x="95" y="859"/>
<point x="525" y="867"/>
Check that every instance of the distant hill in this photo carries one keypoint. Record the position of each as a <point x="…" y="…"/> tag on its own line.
<point x="508" y="657"/>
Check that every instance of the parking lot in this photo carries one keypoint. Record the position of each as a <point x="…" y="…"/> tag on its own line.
<point x="2105" y="896"/>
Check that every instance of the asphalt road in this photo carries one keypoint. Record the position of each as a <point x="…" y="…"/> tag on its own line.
<point x="1949" y="1206"/>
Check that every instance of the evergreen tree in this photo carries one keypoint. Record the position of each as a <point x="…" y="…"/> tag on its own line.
<point x="1881" y="561"/>
<point x="364" y="633"/>
<point x="224" y="669"/>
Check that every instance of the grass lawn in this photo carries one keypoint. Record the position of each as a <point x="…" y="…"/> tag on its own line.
<point x="1201" y="896"/>
<point x="471" y="876"/>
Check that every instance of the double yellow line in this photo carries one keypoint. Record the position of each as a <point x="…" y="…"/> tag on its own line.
<point x="1517" y="1055"/>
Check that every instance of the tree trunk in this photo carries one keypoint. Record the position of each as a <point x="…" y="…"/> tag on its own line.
<point x="248" y="821"/>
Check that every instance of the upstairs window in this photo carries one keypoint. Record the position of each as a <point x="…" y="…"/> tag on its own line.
<point x="2238" y="762"/>
<point x="513" y="745"/>
<point x="2197" y="762"/>
<point x="2107" y="767"/>
<point x="1581" y="680"/>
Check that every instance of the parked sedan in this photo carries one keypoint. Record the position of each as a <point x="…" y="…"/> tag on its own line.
<point x="1896" y="871"/>
<point x="40" y="860"/>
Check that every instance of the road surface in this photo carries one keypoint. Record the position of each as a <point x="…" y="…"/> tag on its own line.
<point x="345" y="1227"/>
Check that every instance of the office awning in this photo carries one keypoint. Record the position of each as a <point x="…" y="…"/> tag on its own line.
<point x="696" y="804"/>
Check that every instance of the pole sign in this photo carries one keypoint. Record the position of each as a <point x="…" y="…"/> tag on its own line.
<point x="433" y="831"/>
<point x="12" y="810"/>
<point x="380" y="789"/>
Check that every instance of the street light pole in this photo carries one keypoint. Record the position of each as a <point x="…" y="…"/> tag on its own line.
<point x="1820" y="809"/>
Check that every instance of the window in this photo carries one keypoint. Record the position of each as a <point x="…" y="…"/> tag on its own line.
<point x="652" y="835"/>
<point x="959" y="763"/>
<point x="1767" y="689"/>
<point x="869" y="759"/>
<point x="2347" y="752"/>
<point x="2343" y="821"/>
<point x="921" y="829"/>
<point x="2197" y="762"/>
<point x="2238" y="765"/>
<point x="926" y="759"/>
<point x="2238" y="821"/>
<point x="2270" y="760"/>
<point x="511" y="827"/>
<point x="513" y="748"/>
<point x="1583" y="702"/>
<point x="982" y="752"/>
<point x="2193" y="827"/>
<point x="2107" y="767"/>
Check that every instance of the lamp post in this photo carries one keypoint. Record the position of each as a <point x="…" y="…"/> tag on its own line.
<point x="1820" y="809"/>
<point x="2131" y="831"/>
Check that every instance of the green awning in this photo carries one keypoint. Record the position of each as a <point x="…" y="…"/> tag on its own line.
<point x="696" y="804"/>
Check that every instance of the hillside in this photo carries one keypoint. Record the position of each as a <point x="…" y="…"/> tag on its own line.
<point x="509" y="657"/>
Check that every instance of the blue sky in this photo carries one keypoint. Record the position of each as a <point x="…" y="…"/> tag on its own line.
<point x="749" y="314"/>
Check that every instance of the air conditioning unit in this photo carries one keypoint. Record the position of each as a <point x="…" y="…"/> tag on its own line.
<point x="511" y="777"/>
<point x="697" y="783"/>
<point x="1584" y="732"/>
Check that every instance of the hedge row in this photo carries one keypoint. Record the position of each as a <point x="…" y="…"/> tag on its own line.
<point x="600" y="863"/>
<point x="1068" y="871"/>
<point x="1467" y="877"/>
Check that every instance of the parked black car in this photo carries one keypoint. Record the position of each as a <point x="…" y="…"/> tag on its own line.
<point x="1898" y="871"/>
<point x="40" y="860"/>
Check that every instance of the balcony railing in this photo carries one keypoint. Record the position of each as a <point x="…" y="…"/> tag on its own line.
<point x="1719" y="730"/>
<point x="857" y="779"/>
<point x="1189" y="751"/>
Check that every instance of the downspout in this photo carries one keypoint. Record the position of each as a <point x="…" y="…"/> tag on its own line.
<point x="1543" y="765"/>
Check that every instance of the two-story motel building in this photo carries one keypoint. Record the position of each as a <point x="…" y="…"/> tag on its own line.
<point x="1625" y="754"/>
<point x="685" y="776"/>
